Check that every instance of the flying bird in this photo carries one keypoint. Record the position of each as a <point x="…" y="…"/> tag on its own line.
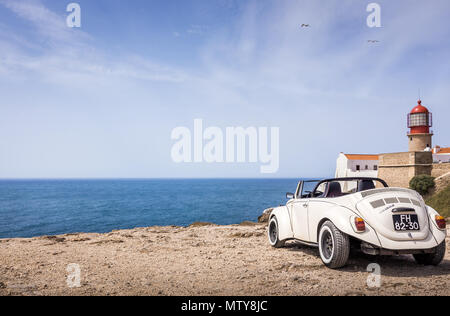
<point x="305" y="25"/>
<point x="373" y="41"/>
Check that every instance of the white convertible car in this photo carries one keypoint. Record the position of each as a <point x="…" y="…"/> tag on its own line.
<point x="337" y="214"/>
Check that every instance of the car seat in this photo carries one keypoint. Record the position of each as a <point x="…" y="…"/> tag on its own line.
<point x="364" y="185"/>
<point x="333" y="190"/>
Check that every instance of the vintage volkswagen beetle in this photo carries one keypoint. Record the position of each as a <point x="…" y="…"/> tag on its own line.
<point x="335" y="214"/>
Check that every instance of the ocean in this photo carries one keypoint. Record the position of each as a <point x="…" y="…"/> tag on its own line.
<point x="30" y="208"/>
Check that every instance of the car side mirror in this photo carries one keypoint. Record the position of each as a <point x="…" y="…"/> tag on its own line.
<point x="289" y="196"/>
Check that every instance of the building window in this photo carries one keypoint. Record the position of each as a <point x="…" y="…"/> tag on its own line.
<point x="367" y="167"/>
<point x="375" y="168"/>
<point x="358" y="167"/>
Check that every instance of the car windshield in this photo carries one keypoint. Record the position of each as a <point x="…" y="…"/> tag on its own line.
<point x="308" y="187"/>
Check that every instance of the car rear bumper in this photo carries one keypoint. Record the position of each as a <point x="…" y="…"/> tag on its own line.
<point x="432" y="240"/>
<point x="376" y="251"/>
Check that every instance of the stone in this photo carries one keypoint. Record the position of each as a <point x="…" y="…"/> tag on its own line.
<point x="264" y="218"/>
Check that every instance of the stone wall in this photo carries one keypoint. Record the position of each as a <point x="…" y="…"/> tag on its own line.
<point x="423" y="157"/>
<point x="398" y="169"/>
<point x="441" y="183"/>
<point x="394" y="159"/>
<point x="395" y="177"/>
<point x="440" y="169"/>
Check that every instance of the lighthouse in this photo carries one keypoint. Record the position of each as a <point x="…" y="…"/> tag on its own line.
<point x="420" y="120"/>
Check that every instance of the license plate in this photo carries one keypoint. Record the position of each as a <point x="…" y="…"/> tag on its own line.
<point x="404" y="223"/>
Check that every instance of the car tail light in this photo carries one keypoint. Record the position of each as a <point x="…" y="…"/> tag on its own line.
<point x="360" y="224"/>
<point x="440" y="221"/>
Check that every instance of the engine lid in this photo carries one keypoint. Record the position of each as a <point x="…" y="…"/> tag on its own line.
<point x="397" y="214"/>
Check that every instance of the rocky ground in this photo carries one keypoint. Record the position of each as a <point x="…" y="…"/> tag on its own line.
<point x="199" y="260"/>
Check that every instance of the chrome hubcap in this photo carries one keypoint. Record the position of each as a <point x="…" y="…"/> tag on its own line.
<point x="273" y="232"/>
<point x="327" y="245"/>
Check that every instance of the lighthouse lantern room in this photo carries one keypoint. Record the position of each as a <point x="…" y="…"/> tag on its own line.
<point x="420" y="120"/>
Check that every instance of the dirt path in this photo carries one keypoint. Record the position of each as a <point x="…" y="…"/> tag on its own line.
<point x="204" y="260"/>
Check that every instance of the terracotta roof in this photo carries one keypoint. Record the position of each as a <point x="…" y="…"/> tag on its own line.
<point x="444" y="151"/>
<point x="362" y="157"/>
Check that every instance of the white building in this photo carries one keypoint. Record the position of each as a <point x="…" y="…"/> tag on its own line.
<point x="441" y="155"/>
<point x="349" y="165"/>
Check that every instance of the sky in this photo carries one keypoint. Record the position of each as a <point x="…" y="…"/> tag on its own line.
<point x="102" y="100"/>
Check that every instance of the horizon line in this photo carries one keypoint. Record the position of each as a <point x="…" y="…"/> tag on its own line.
<point x="162" y="178"/>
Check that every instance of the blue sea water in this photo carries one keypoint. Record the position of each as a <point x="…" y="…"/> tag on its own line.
<point x="30" y="208"/>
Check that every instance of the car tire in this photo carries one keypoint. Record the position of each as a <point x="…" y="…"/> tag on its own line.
<point x="334" y="246"/>
<point x="273" y="234"/>
<point x="432" y="259"/>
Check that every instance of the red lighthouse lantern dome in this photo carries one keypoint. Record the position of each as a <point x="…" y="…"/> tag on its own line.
<point x="420" y="108"/>
<point x="420" y="120"/>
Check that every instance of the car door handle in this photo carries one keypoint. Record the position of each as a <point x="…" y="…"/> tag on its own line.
<point x="305" y="204"/>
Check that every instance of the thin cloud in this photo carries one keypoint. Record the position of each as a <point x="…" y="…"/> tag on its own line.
<point x="47" y="23"/>
<point x="69" y="53"/>
<point x="197" y="29"/>
<point x="257" y="69"/>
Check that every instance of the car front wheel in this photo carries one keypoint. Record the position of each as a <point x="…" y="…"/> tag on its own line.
<point x="334" y="246"/>
<point x="432" y="259"/>
<point x="273" y="232"/>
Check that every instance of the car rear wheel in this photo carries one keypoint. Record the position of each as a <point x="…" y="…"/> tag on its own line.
<point x="273" y="232"/>
<point x="334" y="246"/>
<point x="432" y="259"/>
